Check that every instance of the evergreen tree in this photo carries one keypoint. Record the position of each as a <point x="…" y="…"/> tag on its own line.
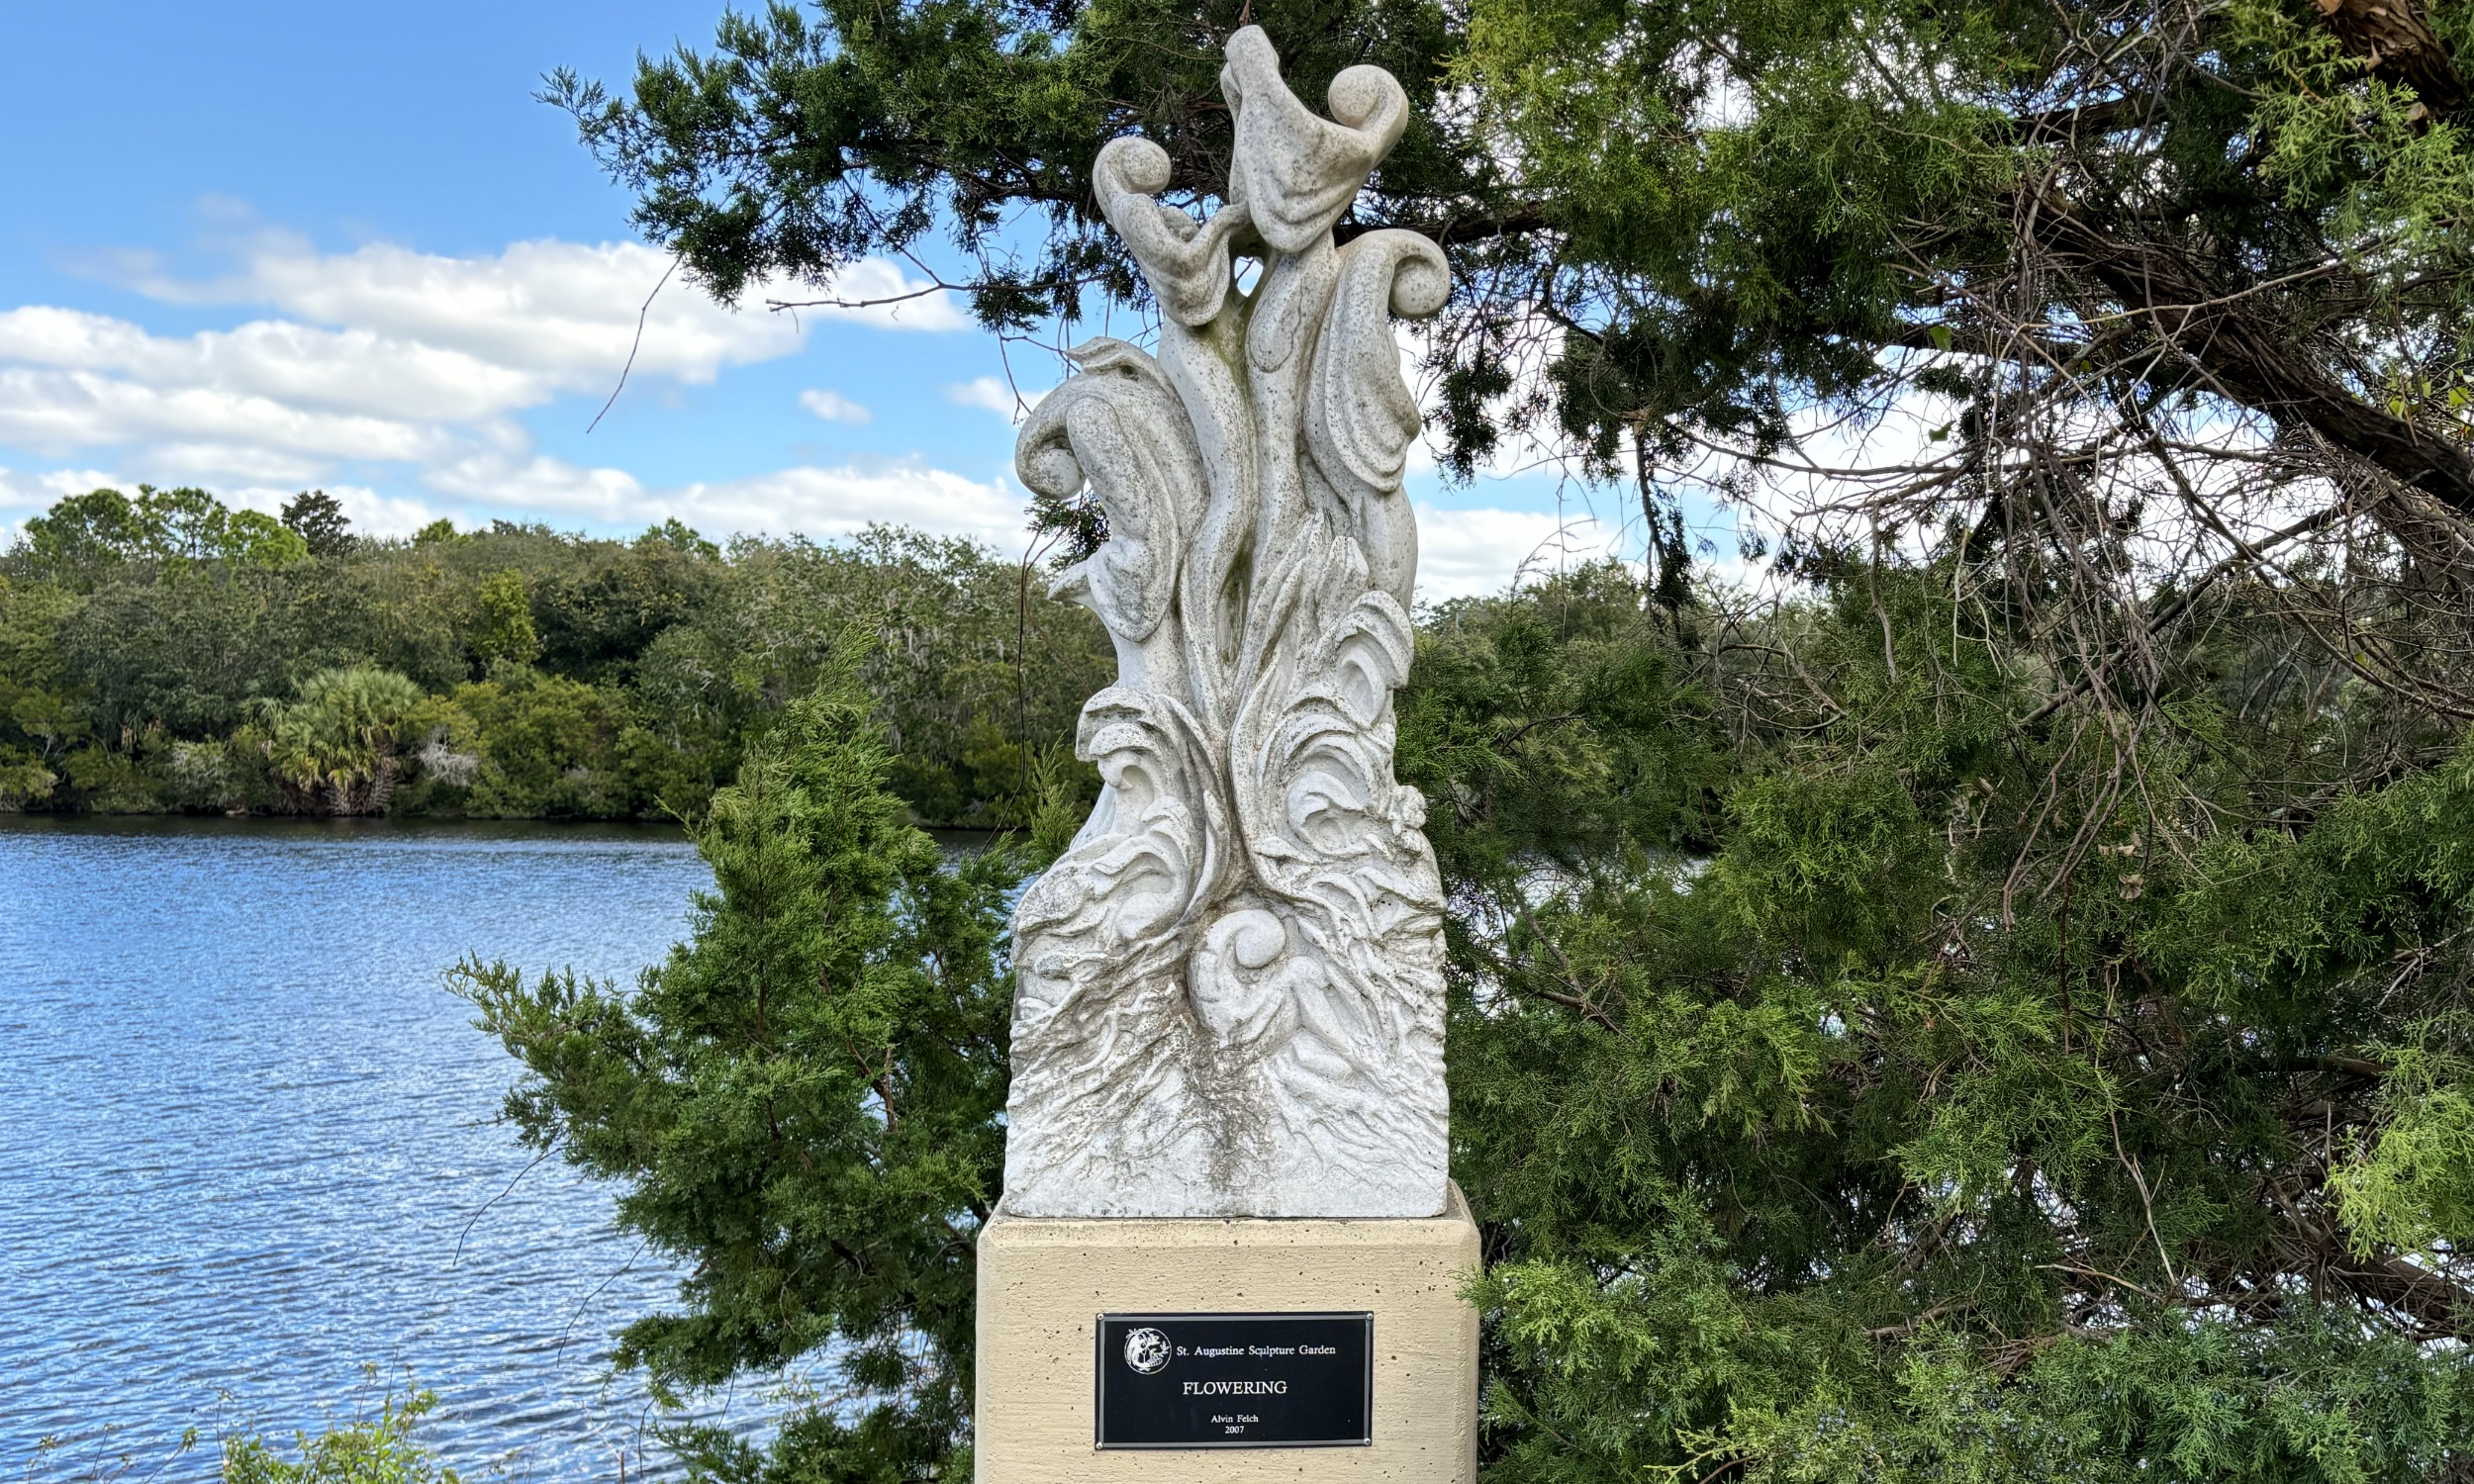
<point x="317" y="519"/>
<point x="1855" y="1083"/>
<point x="1994" y="1008"/>
<point x="1673" y="227"/>
<point x="1850" y="1082"/>
<point x="801" y="1105"/>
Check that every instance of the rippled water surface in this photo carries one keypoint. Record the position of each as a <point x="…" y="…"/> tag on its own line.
<point x="243" y="1131"/>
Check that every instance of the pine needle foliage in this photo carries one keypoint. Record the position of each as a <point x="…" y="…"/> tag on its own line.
<point x="1676" y="228"/>
<point x="1859" y="1070"/>
<point x="801" y="1105"/>
<point x="1995" y="1006"/>
<point x="1856" y="1083"/>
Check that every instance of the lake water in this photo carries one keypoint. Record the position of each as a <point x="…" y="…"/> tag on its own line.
<point x="247" y="1141"/>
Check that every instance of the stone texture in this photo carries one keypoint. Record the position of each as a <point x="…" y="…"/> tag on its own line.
<point x="1230" y="988"/>
<point x="1043" y="1284"/>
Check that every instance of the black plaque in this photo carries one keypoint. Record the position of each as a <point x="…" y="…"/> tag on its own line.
<point x="1236" y="1380"/>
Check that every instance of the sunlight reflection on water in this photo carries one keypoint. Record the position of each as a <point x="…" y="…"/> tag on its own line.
<point x="245" y="1129"/>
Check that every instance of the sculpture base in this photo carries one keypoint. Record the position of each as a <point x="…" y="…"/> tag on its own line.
<point x="1043" y="1282"/>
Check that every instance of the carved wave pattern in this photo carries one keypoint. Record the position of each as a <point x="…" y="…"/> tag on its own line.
<point x="1230" y="990"/>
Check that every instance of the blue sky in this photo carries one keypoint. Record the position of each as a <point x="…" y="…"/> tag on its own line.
<point x="261" y="248"/>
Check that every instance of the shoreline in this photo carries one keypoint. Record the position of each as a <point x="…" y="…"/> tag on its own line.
<point x="379" y="825"/>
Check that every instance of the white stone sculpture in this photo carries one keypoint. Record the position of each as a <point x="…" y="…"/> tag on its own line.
<point x="1230" y="987"/>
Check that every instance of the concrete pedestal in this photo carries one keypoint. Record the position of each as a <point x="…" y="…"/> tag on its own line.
<point x="1043" y="1283"/>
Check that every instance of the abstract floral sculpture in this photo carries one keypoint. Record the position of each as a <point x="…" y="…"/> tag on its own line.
<point x="1231" y="995"/>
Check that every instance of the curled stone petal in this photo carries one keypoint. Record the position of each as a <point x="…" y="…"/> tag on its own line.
<point x="1296" y="173"/>
<point x="1187" y="264"/>
<point x="1360" y="416"/>
<point x="1120" y="428"/>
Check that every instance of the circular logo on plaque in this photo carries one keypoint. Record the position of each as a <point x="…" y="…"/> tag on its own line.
<point x="1146" y="1350"/>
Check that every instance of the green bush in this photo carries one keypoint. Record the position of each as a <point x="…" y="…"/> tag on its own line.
<point x="801" y="1102"/>
<point x="376" y="1449"/>
<point x="560" y="676"/>
<point x="1827" y="1112"/>
<point x="336" y="741"/>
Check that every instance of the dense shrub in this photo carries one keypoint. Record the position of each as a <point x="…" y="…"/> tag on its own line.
<point x="1851" y="1080"/>
<point x="165" y="652"/>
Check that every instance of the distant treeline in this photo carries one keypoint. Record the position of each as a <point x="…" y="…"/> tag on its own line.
<point x="163" y="652"/>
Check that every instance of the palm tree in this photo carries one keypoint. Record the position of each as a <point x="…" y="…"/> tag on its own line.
<point x="339" y="736"/>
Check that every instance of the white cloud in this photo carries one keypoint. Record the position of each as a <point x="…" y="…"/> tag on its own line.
<point x="24" y="492"/>
<point x="838" y="502"/>
<point x="376" y="514"/>
<point x="386" y="355"/>
<point x="380" y="332"/>
<point x="1468" y="552"/>
<point x="355" y="370"/>
<point x="58" y="413"/>
<point x="550" y="303"/>
<point x="818" y="502"/>
<point x="834" y="406"/>
<point x="994" y="394"/>
<point x="425" y="359"/>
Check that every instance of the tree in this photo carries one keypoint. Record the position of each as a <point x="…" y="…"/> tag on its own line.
<point x="546" y="746"/>
<point x="800" y="1104"/>
<point x="973" y="666"/>
<point x="802" y="143"/>
<point x="42" y="717"/>
<point x="317" y="519"/>
<point x="85" y="535"/>
<point x="339" y="736"/>
<point x="596" y="620"/>
<point x="192" y="649"/>
<point x="260" y="540"/>
<point x="378" y="1450"/>
<point x="1853" y="1086"/>
<point x="2193" y="264"/>
<point x="616" y="677"/>
<point x="501" y="625"/>
<point x="1847" y="1088"/>
<point x="1988" y="1004"/>
<point x="81" y="533"/>
<point x="188" y="525"/>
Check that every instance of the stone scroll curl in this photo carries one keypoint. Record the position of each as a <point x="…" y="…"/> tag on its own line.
<point x="1230" y="987"/>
